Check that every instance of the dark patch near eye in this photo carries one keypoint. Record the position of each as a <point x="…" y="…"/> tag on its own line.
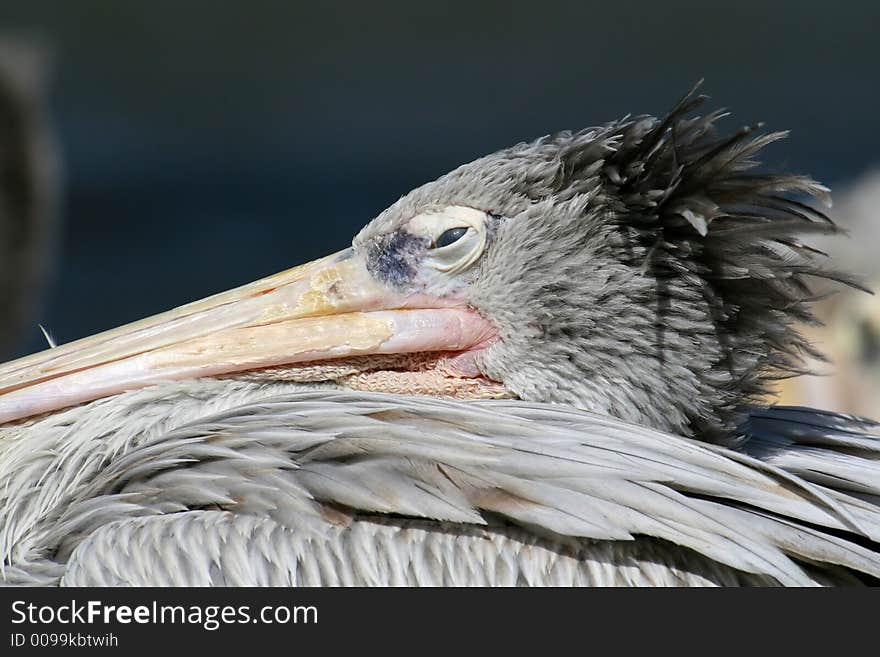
<point x="450" y="236"/>
<point x="392" y="258"/>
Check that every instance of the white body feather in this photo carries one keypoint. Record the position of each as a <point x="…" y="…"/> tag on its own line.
<point x="231" y="482"/>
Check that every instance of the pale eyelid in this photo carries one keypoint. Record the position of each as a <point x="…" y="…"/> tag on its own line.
<point x="464" y="252"/>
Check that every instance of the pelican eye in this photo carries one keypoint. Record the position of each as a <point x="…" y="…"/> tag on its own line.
<point x="455" y="237"/>
<point x="450" y="236"/>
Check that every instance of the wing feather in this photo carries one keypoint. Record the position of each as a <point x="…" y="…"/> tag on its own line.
<point x="792" y="503"/>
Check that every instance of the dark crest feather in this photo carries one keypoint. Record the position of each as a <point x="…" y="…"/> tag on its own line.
<point x="708" y="212"/>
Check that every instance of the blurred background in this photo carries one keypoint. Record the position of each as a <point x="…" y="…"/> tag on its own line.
<point x="181" y="148"/>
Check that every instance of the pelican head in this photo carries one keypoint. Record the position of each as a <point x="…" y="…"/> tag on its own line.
<point x="641" y="269"/>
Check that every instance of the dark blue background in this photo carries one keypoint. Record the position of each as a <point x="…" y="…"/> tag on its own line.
<point x="208" y="143"/>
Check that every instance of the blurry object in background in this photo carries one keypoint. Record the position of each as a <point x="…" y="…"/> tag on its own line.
<point x="28" y="187"/>
<point x="857" y="209"/>
<point x="850" y="337"/>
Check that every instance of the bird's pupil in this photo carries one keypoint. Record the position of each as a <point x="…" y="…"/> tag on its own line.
<point x="450" y="236"/>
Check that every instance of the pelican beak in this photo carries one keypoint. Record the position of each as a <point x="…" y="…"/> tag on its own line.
<point x="328" y="309"/>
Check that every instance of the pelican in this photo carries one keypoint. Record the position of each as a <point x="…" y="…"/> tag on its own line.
<point x="545" y="367"/>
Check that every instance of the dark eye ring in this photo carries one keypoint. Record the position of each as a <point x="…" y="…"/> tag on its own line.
<point x="449" y="237"/>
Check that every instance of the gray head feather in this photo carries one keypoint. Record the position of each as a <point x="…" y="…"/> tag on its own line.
<point x="640" y="269"/>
